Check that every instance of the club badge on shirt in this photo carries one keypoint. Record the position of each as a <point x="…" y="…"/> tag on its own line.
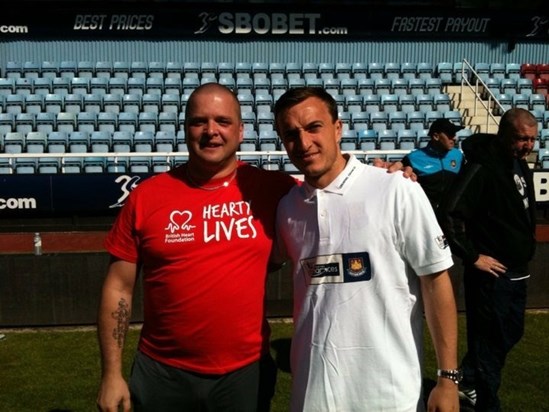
<point x="337" y="268"/>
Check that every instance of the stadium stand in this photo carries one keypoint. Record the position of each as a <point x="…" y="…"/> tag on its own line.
<point x="45" y="106"/>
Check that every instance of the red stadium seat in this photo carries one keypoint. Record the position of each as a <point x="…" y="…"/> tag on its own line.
<point x="528" y="70"/>
<point x="540" y="86"/>
<point x="542" y="71"/>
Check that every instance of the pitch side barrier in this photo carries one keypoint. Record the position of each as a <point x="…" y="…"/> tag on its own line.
<point x="26" y="195"/>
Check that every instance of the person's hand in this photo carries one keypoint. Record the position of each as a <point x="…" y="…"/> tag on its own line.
<point x="490" y="265"/>
<point x="113" y="393"/>
<point x="392" y="167"/>
<point x="444" y="397"/>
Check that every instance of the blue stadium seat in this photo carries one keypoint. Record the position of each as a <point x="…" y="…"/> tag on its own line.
<point x="365" y="86"/>
<point x="24" y="86"/>
<point x="118" y="85"/>
<point x="482" y="69"/>
<point x="131" y="103"/>
<point x="367" y="139"/>
<point x="424" y="102"/>
<point x="416" y="86"/>
<point x="7" y="86"/>
<point x="24" y="122"/>
<point x="102" y="70"/>
<point x="65" y="122"/>
<point x="136" y="85"/>
<point x="100" y="142"/>
<point x="42" y="86"/>
<point x="415" y="120"/>
<point x="399" y="86"/>
<point x="408" y="70"/>
<point x="127" y="122"/>
<point x="387" y="139"/>
<point x="406" y="139"/>
<point x="121" y="69"/>
<point x="359" y="70"/>
<point x="407" y="103"/>
<point x="378" y="121"/>
<point x="525" y="86"/>
<point x="391" y="70"/>
<point x="360" y="120"/>
<point x="122" y="141"/>
<point x="143" y="141"/>
<point x="107" y="122"/>
<point x="433" y="86"/>
<point x="36" y="142"/>
<point x="147" y="122"/>
<point x="164" y="141"/>
<point x="389" y="103"/>
<point x="150" y="102"/>
<point x="454" y="116"/>
<point x="167" y="121"/>
<point x="93" y="103"/>
<point x="398" y="120"/>
<point x="497" y="70"/>
<point x="57" y="142"/>
<point x="14" y="142"/>
<point x="328" y="71"/>
<point x="353" y="103"/>
<point x="48" y="69"/>
<point x="445" y="72"/>
<point x="375" y="70"/>
<point x="85" y="69"/>
<point x="45" y="122"/>
<point x="537" y="102"/>
<point x="371" y="103"/>
<point x="86" y="122"/>
<point x="48" y="166"/>
<point x="80" y="85"/>
<point x="508" y="86"/>
<point x="138" y="69"/>
<point x="341" y="70"/>
<point x="78" y="142"/>
<point x="25" y="166"/>
<point x="68" y="69"/>
<point x="512" y="70"/>
<point x="459" y="70"/>
<point x="93" y="164"/>
<point x="156" y="70"/>
<point x="382" y="86"/>
<point x="71" y="165"/>
<point x="7" y="123"/>
<point x="14" y="103"/>
<point x="521" y="101"/>
<point x="425" y="71"/>
<point x="349" y="86"/>
<point x="442" y="102"/>
<point x="61" y="86"/>
<point x="174" y="70"/>
<point x="99" y="85"/>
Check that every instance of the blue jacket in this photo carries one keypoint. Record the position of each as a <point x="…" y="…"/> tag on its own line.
<point x="435" y="170"/>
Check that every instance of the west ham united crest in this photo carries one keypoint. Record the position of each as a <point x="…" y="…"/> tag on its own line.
<point x="356" y="267"/>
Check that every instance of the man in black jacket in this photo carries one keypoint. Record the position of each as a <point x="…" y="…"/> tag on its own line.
<point x="489" y="220"/>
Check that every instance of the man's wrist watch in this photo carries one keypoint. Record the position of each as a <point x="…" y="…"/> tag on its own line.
<point x="455" y="375"/>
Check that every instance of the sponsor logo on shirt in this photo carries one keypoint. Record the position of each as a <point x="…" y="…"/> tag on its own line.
<point x="220" y="222"/>
<point x="441" y="241"/>
<point x="337" y="268"/>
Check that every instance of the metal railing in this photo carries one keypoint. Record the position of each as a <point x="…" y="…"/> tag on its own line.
<point x="478" y="87"/>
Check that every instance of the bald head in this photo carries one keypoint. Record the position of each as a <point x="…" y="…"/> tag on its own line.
<point x="212" y="89"/>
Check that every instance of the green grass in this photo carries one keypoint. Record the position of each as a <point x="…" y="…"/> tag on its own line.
<point x="58" y="370"/>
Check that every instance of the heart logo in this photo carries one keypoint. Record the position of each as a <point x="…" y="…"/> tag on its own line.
<point x="179" y="219"/>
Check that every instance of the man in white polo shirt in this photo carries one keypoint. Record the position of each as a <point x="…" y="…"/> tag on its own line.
<point x="366" y="250"/>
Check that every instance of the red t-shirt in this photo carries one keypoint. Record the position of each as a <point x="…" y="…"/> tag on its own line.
<point x="204" y="255"/>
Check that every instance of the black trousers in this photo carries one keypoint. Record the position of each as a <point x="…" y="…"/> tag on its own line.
<point x="158" y="387"/>
<point x="495" y="323"/>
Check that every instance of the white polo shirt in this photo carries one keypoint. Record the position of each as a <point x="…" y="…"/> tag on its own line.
<point x="356" y="247"/>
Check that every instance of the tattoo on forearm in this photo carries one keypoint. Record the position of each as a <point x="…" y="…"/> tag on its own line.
<point x="122" y="316"/>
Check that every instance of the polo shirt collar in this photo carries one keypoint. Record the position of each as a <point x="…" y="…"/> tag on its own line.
<point x="341" y="183"/>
